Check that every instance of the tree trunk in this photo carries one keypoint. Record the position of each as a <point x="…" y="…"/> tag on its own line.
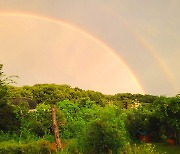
<point x="55" y="128"/>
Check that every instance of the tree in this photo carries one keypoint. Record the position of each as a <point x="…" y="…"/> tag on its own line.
<point x="49" y="94"/>
<point x="106" y="133"/>
<point x="167" y="111"/>
<point x="8" y="120"/>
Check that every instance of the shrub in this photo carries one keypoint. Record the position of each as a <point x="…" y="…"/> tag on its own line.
<point x="106" y="133"/>
<point x="40" y="147"/>
<point x="167" y="111"/>
<point x="138" y="120"/>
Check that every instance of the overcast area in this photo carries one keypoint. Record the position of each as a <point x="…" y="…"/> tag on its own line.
<point x="113" y="46"/>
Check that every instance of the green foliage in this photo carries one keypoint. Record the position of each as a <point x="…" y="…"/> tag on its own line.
<point x="8" y="136"/>
<point x="90" y="121"/>
<point x="138" y="149"/>
<point x="105" y="133"/>
<point x="145" y="98"/>
<point x="46" y="93"/>
<point x="71" y="147"/>
<point x="168" y="111"/>
<point x="163" y="114"/>
<point x="40" y="147"/>
<point x="138" y="120"/>
<point x="93" y="126"/>
<point x="26" y="121"/>
<point x="96" y="97"/>
<point x="75" y="123"/>
<point x="4" y="92"/>
<point x="8" y="121"/>
<point x="26" y="92"/>
<point x="162" y="148"/>
<point x="42" y="120"/>
<point x="36" y="123"/>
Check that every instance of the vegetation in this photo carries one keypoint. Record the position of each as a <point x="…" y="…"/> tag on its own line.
<point x="88" y="121"/>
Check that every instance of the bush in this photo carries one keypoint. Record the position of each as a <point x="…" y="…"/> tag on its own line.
<point x="40" y="147"/>
<point x="106" y="133"/>
<point x="71" y="147"/>
<point x="8" y="136"/>
<point x="167" y="111"/>
<point x="138" y="120"/>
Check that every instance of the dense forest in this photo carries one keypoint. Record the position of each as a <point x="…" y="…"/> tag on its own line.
<point x="88" y="122"/>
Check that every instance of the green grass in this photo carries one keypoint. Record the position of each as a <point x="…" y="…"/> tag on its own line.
<point x="169" y="149"/>
<point x="12" y="147"/>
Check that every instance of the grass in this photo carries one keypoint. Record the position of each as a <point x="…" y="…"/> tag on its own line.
<point x="168" y="149"/>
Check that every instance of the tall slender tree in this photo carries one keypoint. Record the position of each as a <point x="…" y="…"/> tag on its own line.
<point x="48" y="93"/>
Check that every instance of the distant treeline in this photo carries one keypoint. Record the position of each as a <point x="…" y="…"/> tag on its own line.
<point x="62" y="92"/>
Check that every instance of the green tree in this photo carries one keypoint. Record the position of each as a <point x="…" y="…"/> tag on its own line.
<point x="106" y="133"/>
<point x="8" y="120"/>
<point x="167" y="111"/>
<point x="49" y="94"/>
<point x="138" y="120"/>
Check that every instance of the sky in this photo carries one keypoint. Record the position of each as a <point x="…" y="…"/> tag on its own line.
<point x="109" y="46"/>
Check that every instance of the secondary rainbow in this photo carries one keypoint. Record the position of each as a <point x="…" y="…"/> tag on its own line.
<point x="150" y="49"/>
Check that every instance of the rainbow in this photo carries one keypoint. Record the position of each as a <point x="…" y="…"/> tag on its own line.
<point x="160" y="62"/>
<point x="83" y="32"/>
<point x="149" y="47"/>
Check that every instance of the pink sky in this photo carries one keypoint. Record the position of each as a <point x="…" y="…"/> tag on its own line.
<point x="144" y="34"/>
<point x="46" y="51"/>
